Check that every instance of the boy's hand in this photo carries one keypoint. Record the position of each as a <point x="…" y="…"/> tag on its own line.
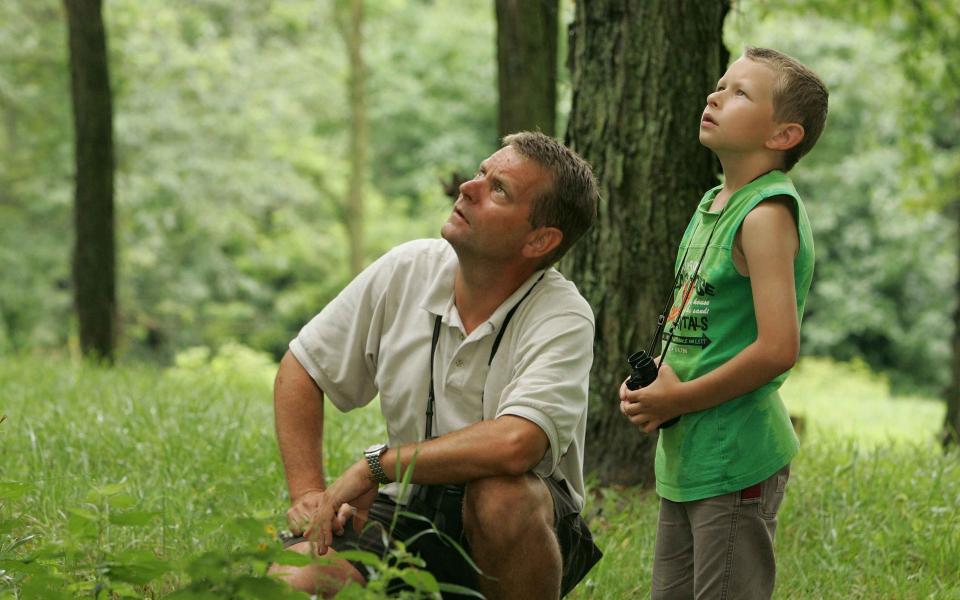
<point x="649" y="407"/>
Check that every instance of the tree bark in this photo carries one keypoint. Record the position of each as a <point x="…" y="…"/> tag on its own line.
<point x="351" y="27"/>
<point x="641" y="72"/>
<point x="527" y="65"/>
<point x="94" y="256"/>
<point x="950" y="434"/>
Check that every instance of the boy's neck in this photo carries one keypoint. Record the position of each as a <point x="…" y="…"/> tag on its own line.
<point x="740" y="170"/>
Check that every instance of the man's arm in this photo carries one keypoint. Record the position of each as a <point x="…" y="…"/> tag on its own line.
<point x="770" y="243"/>
<point x="507" y="445"/>
<point x="298" y="419"/>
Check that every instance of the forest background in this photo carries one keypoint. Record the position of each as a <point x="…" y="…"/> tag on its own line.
<point x="233" y="173"/>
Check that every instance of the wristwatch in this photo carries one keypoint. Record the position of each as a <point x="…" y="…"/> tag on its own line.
<point x="373" y="454"/>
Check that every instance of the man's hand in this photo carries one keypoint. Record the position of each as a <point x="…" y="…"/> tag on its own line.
<point x="650" y="406"/>
<point x="301" y="512"/>
<point x="319" y="515"/>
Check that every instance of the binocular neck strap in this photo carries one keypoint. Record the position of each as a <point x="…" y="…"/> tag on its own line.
<point x="431" y="396"/>
<point x="662" y="319"/>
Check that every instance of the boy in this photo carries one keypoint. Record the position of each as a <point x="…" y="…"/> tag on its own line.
<point x="744" y="268"/>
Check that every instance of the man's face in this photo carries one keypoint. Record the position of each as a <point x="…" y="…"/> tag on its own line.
<point x="738" y="117"/>
<point x="490" y="218"/>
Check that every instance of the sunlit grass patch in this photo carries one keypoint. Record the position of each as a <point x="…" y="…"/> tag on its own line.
<point x="848" y="401"/>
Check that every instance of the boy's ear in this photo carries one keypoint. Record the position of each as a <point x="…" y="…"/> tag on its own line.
<point x="542" y="241"/>
<point x="787" y="136"/>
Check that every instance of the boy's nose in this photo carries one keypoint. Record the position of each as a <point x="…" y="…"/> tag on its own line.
<point x="713" y="98"/>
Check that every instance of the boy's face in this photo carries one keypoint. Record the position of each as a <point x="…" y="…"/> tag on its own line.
<point x="738" y="118"/>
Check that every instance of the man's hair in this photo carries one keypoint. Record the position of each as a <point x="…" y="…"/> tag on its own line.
<point x="570" y="202"/>
<point x="799" y="96"/>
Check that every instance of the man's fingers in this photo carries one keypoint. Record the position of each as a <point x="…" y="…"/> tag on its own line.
<point x="343" y="515"/>
<point x="360" y="519"/>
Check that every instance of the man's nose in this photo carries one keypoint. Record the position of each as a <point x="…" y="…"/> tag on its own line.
<point x="467" y="189"/>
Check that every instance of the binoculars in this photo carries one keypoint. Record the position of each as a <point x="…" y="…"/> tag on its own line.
<point x="643" y="374"/>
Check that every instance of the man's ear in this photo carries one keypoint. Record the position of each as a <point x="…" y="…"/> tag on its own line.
<point x="787" y="136"/>
<point x="542" y="241"/>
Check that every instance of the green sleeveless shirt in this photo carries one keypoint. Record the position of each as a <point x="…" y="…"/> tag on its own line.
<point x="746" y="439"/>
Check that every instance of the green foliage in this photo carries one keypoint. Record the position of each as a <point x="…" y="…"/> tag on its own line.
<point x="231" y="171"/>
<point x="875" y="187"/>
<point x="142" y="484"/>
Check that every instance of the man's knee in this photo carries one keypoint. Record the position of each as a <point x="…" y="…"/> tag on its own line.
<point x="323" y="577"/>
<point x="507" y="505"/>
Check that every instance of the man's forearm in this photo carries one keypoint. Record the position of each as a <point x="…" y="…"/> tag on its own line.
<point x="507" y="445"/>
<point x="298" y="418"/>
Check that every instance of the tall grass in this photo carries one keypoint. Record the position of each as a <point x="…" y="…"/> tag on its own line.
<point x="188" y="453"/>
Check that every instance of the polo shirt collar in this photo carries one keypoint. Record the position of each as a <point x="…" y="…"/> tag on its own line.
<point x="438" y="297"/>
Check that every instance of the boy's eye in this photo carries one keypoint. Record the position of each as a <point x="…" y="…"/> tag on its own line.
<point x="741" y="93"/>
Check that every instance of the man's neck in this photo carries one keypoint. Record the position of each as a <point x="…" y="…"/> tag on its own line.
<point x="740" y="170"/>
<point x="480" y="289"/>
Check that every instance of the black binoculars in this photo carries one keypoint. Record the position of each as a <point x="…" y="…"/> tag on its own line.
<point x="644" y="373"/>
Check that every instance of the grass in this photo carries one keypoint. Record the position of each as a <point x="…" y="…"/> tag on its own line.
<point x="104" y="465"/>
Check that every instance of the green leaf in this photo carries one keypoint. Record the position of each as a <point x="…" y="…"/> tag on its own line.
<point x="83" y="513"/>
<point x="134" y="518"/>
<point x="44" y="586"/>
<point x="251" y="527"/>
<point x="8" y="525"/>
<point x="420" y="580"/>
<point x="26" y="567"/>
<point x="139" y="568"/>
<point x="262" y="587"/>
<point x="188" y="594"/>
<point x="360" y="556"/>
<point x="291" y="558"/>
<point x="111" y="489"/>
<point x="123" y="501"/>
<point x="11" y="490"/>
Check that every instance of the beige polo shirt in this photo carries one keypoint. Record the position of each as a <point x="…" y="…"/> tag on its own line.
<point x="375" y="338"/>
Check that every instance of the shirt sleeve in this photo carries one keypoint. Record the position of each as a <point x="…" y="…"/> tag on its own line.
<point x="339" y="347"/>
<point x="551" y="374"/>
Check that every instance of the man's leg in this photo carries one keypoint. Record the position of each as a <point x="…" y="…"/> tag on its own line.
<point x="324" y="579"/>
<point x="508" y="522"/>
<point x="673" y="556"/>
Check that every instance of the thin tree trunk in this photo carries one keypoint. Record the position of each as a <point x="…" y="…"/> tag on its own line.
<point x="527" y="65"/>
<point x="950" y="435"/>
<point x="641" y="72"/>
<point x="351" y="26"/>
<point x="94" y="256"/>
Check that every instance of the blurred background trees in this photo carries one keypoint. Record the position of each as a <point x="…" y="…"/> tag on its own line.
<point x="233" y="163"/>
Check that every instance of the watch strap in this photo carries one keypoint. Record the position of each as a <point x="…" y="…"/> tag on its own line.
<point x="373" y="461"/>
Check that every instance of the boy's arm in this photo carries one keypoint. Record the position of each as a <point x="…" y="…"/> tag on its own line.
<point x="770" y="243"/>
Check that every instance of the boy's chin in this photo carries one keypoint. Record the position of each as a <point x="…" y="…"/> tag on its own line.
<point x="705" y="141"/>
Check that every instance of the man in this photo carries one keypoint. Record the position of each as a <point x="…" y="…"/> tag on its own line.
<point x="480" y="353"/>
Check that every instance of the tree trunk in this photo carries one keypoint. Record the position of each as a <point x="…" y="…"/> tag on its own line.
<point x="641" y="72"/>
<point x="94" y="256"/>
<point x="351" y="27"/>
<point x="527" y="65"/>
<point x="950" y="435"/>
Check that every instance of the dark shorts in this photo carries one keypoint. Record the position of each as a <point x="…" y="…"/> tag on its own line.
<point x="443" y="505"/>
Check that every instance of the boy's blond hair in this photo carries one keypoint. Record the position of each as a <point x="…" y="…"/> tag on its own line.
<point x="799" y="96"/>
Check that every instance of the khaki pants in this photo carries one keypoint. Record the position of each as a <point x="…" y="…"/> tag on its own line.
<point x="719" y="548"/>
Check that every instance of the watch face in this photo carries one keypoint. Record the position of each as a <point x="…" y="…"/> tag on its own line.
<point x="375" y="448"/>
